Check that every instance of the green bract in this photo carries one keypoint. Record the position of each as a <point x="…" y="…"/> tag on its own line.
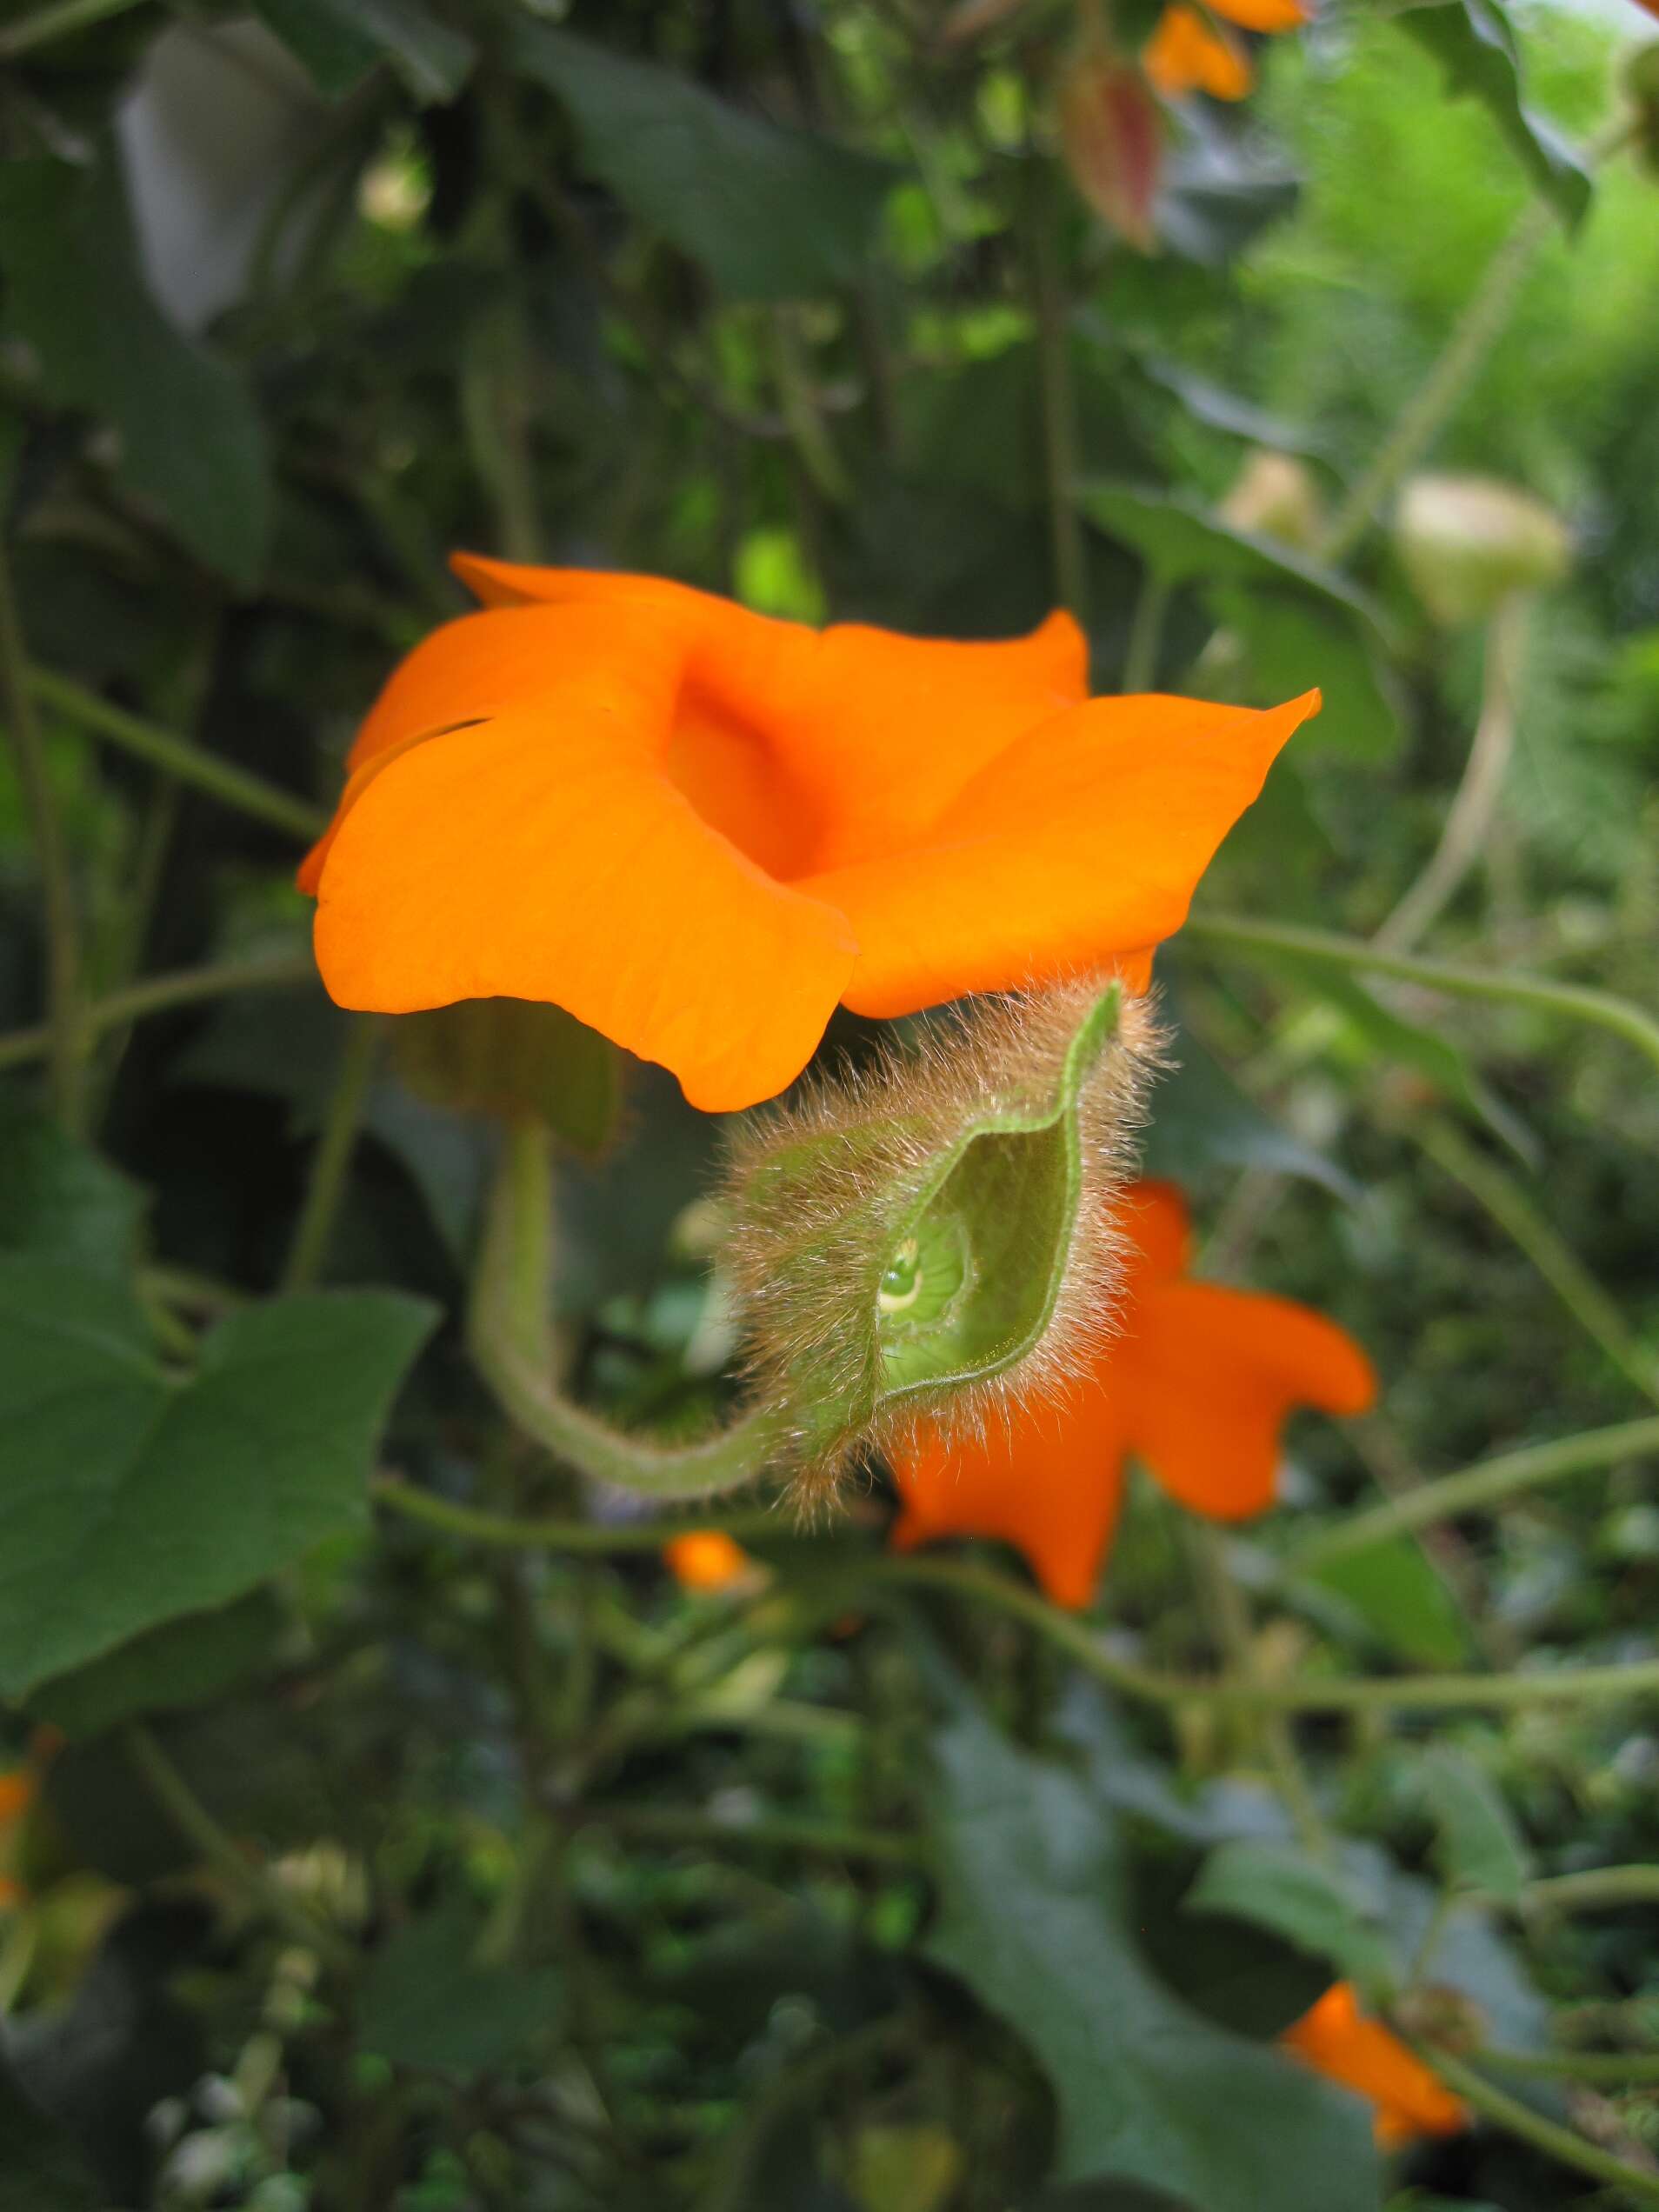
<point x="932" y="1235"/>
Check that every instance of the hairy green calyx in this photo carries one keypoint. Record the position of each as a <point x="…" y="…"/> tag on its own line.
<point x="936" y="1236"/>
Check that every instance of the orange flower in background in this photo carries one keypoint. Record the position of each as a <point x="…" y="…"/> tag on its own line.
<point x="1191" y="52"/>
<point x="706" y="1560"/>
<point x="700" y="829"/>
<point x="1337" y="2040"/>
<point x="1197" y="1382"/>
<point x="16" y="1794"/>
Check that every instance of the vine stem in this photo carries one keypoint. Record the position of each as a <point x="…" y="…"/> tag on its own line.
<point x="689" y="1824"/>
<point x="331" y="1161"/>
<point x="191" y="1818"/>
<point x="1611" y="2069"/>
<point x="580" y="1537"/>
<point x="1469" y="817"/>
<point x="1474" y="1489"/>
<point x="66" y="1035"/>
<point x="1404" y="1693"/>
<point x="1548" y="2136"/>
<point x="176" y="757"/>
<point x="160" y="994"/>
<point x="1561" y="1268"/>
<point x="58" y="21"/>
<point x="1146" y="629"/>
<point x="1594" y="1890"/>
<point x="1574" y="1002"/>
<point x="1058" y="401"/>
<point x="509" y="1336"/>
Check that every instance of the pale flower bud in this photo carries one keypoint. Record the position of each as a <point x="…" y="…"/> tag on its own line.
<point x="1276" y="495"/>
<point x="1468" y="542"/>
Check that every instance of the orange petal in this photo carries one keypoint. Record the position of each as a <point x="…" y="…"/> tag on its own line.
<point x="1153" y="1221"/>
<point x="546" y="855"/>
<point x="1082" y="841"/>
<point x="1263" y="15"/>
<point x="1337" y="2040"/>
<point x="16" y="1794"/>
<point x="1210" y="1375"/>
<point x="877" y="733"/>
<point x="1048" y="1479"/>
<point x="1185" y="55"/>
<point x="707" y="1559"/>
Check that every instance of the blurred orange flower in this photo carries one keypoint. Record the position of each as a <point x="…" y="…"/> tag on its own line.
<point x="706" y="1559"/>
<point x="1336" y="2039"/>
<point x="699" y="829"/>
<point x="1197" y="1382"/>
<point x="16" y="1794"/>
<point x="1191" y="52"/>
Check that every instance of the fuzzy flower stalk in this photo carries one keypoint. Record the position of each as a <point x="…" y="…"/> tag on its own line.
<point x="931" y="1239"/>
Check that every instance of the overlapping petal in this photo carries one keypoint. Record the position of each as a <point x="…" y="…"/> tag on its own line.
<point x="1198" y="1382"/>
<point x="1341" y="2041"/>
<point x="1189" y="52"/>
<point x="697" y="828"/>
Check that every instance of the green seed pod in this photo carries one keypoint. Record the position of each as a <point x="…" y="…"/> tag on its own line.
<point x="1468" y="542"/>
<point x="936" y="1236"/>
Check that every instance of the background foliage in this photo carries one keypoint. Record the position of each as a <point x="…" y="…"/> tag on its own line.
<point x="374" y="1864"/>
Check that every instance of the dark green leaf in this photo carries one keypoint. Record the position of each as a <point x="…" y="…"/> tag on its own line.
<point x="1478" y="1845"/>
<point x="1278" y="1887"/>
<point x="1202" y="1119"/>
<point x="1033" y="1919"/>
<point x="131" y="1497"/>
<point x="183" y="1662"/>
<point x="338" y="42"/>
<point x="510" y="1058"/>
<point x="57" y="1197"/>
<point x="1219" y="193"/>
<point x="426" y="2001"/>
<point x="1292" y="640"/>
<point x="771" y="213"/>
<point x="191" y="439"/>
<point x="1399" y="1598"/>
<point x="1475" y="43"/>
<point x="42" y="2170"/>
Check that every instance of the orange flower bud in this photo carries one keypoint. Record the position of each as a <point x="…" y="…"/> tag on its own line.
<point x="1112" y="130"/>
<point x="706" y="1560"/>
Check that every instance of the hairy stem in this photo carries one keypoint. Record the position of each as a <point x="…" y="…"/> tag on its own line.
<point x="65" y="1034"/>
<point x="1474" y="808"/>
<point x="1573" y="1001"/>
<point x="510" y="1340"/>
<point x="176" y="757"/>
<point x="591" y="1537"/>
<point x="1476" y="1489"/>
<point x="331" y="1161"/>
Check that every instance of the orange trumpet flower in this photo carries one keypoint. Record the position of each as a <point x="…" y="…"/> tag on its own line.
<point x="699" y="829"/>
<point x="1197" y="1382"/>
<point x="1337" y="2040"/>
<point x="1191" y="52"/>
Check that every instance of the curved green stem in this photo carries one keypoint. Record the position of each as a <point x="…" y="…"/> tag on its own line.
<point x="1547" y="2135"/>
<point x="331" y="1161"/>
<point x="510" y="1340"/>
<point x="1286" y="941"/>
<point x="772" y="1831"/>
<point x="65" y="1032"/>
<point x="176" y="757"/>
<point x="160" y="994"/>
<point x="1146" y="630"/>
<point x="1404" y="1693"/>
<point x="590" y="1538"/>
<point x="1474" y="1489"/>
<point x="1609" y="2070"/>
<point x="191" y="1818"/>
<point x="60" y="21"/>
<point x="1067" y="544"/>
<point x="1561" y="1268"/>
<point x="1594" y="1890"/>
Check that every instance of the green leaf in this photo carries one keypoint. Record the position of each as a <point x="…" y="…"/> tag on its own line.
<point x="131" y="1497"/>
<point x="1032" y="1918"/>
<point x="338" y="42"/>
<point x="1293" y="639"/>
<point x="426" y="2000"/>
<point x="181" y="1663"/>
<point x="1202" y="1119"/>
<point x="1220" y="191"/>
<point x="1478" y="1845"/>
<point x="57" y="1197"/>
<point x="1278" y="1887"/>
<point x="771" y="213"/>
<point x="1397" y="1595"/>
<point x="1182" y="541"/>
<point x="1475" y="45"/>
<point x="191" y="437"/>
